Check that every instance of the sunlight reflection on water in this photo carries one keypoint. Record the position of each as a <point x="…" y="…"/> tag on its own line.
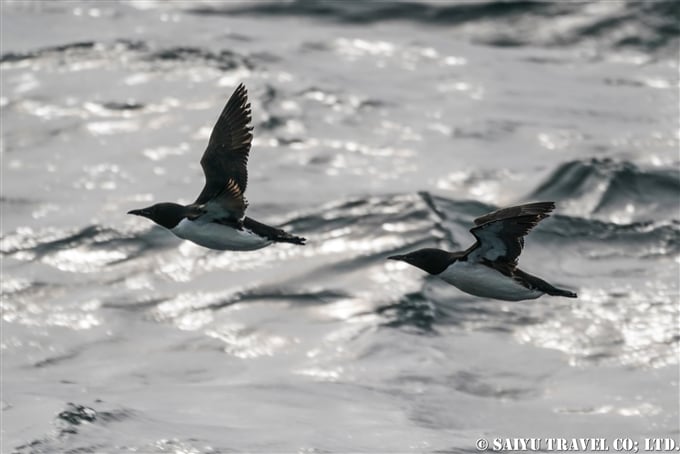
<point x="638" y="330"/>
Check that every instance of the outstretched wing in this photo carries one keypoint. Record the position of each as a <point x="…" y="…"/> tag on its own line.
<point x="500" y="234"/>
<point x="225" y="160"/>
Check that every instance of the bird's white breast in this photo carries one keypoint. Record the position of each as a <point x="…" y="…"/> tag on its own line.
<point x="218" y="236"/>
<point x="480" y="280"/>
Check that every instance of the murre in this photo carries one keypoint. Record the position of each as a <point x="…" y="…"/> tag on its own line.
<point x="489" y="267"/>
<point x="216" y="219"/>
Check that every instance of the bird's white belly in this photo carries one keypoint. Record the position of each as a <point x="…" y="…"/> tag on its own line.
<point x="217" y="236"/>
<point x="480" y="280"/>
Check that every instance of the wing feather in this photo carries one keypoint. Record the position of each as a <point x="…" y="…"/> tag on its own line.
<point x="225" y="159"/>
<point x="534" y="209"/>
<point x="227" y="206"/>
<point x="500" y="234"/>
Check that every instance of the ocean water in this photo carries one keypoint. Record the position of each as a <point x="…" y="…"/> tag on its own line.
<point x="380" y="127"/>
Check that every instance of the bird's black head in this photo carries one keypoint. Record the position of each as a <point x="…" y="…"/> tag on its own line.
<point x="166" y="214"/>
<point x="434" y="261"/>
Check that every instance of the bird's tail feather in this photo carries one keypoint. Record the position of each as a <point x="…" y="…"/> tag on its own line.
<point x="544" y="286"/>
<point x="554" y="291"/>
<point x="272" y="233"/>
<point x="288" y="238"/>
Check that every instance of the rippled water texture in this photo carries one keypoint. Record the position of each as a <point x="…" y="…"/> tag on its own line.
<point x="379" y="128"/>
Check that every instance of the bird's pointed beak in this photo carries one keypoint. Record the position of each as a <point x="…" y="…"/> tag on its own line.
<point x="395" y="257"/>
<point x="138" y="212"/>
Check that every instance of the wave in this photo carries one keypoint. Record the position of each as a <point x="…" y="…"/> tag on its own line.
<point x="135" y="53"/>
<point x="376" y="226"/>
<point x="616" y="191"/>
<point x="644" y="26"/>
<point x="69" y="422"/>
<point x="224" y="60"/>
<point x="341" y="273"/>
<point x="75" y="50"/>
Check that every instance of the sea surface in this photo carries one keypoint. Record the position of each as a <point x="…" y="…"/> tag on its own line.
<point x="380" y="127"/>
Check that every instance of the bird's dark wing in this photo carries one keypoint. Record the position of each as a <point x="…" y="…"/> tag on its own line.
<point x="529" y="209"/>
<point x="500" y="235"/>
<point x="227" y="205"/>
<point x="225" y="160"/>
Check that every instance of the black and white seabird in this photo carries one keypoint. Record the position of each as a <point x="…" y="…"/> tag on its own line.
<point x="489" y="267"/>
<point x="216" y="219"/>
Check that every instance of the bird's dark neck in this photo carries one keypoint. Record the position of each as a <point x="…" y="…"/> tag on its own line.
<point x="170" y="214"/>
<point x="439" y="261"/>
<point x="431" y="260"/>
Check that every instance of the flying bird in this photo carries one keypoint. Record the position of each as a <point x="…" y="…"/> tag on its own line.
<point x="489" y="267"/>
<point x="217" y="219"/>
